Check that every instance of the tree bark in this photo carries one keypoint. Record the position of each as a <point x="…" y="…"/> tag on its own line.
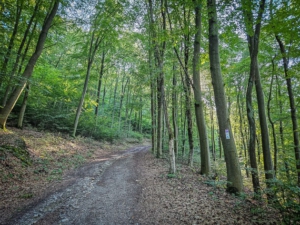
<point x="234" y="177"/>
<point x="253" y="42"/>
<point x="9" y="86"/>
<point x="159" y="56"/>
<point x="94" y="44"/>
<point x="100" y="82"/>
<point x="174" y="112"/>
<point x="292" y="106"/>
<point x="23" y="107"/>
<point x="153" y="107"/>
<point x="12" y="39"/>
<point x="200" y="120"/>
<point x="270" y="119"/>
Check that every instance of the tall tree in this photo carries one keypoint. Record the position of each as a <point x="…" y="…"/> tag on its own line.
<point x="200" y="119"/>
<point x="6" y="110"/>
<point x="289" y="85"/>
<point x="253" y="43"/>
<point x="234" y="176"/>
<point x="185" y="77"/>
<point x="93" y="47"/>
<point x="158" y="51"/>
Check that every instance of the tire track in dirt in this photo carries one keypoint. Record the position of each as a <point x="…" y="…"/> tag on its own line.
<point x="104" y="192"/>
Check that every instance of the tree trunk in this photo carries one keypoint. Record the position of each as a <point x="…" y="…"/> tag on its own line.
<point x="174" y="112"/>
<point x="201" y="125"/>
<point x="9" y="86"/>
<point x="292" y="106"/>
<point x="114" y="102"/>
<point x="172" y="167"/>
<point x="252" y="136"/>
<point x="253" y="43"/>
<point x="270" y="119"/>
<point x="159" y="56"/>
<point x="153" y="110"/>
<point x="5" y="111"/>
<point x="286" y="165"/>
<point x="244" y="147"/>
<point x="234" y="177"/>
<point x="100" y="82"/>
<point x="12" y="39"/>
<point x="23" y="107"/>
<point x="94" y="44"/>
<point x="265" y="139"/>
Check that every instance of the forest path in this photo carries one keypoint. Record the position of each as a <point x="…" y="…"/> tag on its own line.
<point x="102" y="192"/>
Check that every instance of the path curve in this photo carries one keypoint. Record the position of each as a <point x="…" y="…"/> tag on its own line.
<point x="105" y="192"/>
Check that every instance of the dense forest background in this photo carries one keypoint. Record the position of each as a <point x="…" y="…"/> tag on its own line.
<point x="213" y="84"/>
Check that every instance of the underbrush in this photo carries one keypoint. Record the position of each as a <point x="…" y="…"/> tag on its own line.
<point x="286" y="193"/>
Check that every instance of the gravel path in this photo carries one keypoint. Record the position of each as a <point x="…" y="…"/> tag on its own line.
<point x="104" y="192"/>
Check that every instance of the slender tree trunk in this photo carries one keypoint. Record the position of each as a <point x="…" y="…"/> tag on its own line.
<point x="270" y="119"/>
<point x="213" y="146"/>
<point x="244" y="147"/>
<point x="234" y="177"/>
<point x="5" y="111"/>
<point x="172" y="167"/>
<point x="159" y="56"/>
<point x="103" y="96"/>
<point x="200" y="119"/>
<point x="9" y="86"/>
<point x="23" y="107"/>
<point x="114" y="102"/>
<point x="220" y="145"/>
<point x="94" y="44"/>
<point x="100" y="82"/>
<point x="153" y="110"/>
<point x="188" y="91"/>
<point x="286" y="165"/>
<point x="124" y="86"/>
<point x="252" y="136"/>
<point x="292" y="106"/>
<point x="265" y="139"/>
<point x="183" y="133"/>
<point x="174" y="112"/>
<point x="12" y="39"/>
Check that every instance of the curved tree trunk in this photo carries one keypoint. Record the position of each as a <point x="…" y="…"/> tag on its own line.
<point x="5" y="111"/>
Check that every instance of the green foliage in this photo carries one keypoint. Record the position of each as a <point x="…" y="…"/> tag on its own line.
<point x="26" y="195"/>
<point x="171" y="175"/>
<point x="288" y="201"/>
<point x="18" y="152"/>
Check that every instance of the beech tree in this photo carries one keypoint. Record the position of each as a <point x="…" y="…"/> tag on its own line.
<point x="204" y="149"/>
<point x="253" y="43"/>
<point x="234" y="177"/>
<point x="279" y="33"/>
<point x="5" y="111"/>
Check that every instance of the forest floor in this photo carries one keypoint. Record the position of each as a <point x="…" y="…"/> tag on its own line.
<point x="82" y="181"/>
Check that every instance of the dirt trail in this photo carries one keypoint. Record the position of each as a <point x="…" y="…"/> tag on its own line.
<point x="103" y="192"/>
